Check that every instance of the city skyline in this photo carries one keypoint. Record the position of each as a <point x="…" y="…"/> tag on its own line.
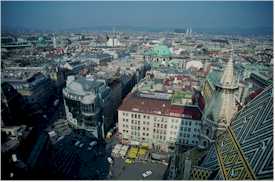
<point x="236" y="17"/>
<point x="137" y="90"/>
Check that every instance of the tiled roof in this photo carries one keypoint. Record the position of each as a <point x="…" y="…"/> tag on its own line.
<point x="158" y="107"/>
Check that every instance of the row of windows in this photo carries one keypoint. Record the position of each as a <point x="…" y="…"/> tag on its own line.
<point x="138" y="128"/>
<point x="137" y="116"/>
<point x="157" y="125"/>
<point x="160" y="119"/>
<point x="187" y="135"/>
<point x="159" y="131"/>
<point x="160" y="137"/>
<point x="189" y="129"/>
<point x="125" y="120"/>
<point x="182" y="141"/>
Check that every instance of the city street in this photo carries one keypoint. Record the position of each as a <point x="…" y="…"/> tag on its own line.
<point x="123" y="171"/>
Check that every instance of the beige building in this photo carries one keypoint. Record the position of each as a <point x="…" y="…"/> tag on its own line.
<point x="158" y="123"/>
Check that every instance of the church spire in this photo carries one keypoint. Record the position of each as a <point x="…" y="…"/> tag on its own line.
<point x="222" y="105"/>
<point x="228" y="79"/>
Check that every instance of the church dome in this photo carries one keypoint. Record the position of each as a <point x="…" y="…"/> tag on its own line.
<point x="160" y="51"/>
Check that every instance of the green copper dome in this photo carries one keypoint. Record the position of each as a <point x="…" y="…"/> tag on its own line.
<point x="160" y="50"/>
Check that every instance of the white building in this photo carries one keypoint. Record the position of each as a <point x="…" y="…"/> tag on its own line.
<point x="158" y="123"/>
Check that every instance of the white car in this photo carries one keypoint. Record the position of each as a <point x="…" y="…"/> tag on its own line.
<point x="146" y="174"/>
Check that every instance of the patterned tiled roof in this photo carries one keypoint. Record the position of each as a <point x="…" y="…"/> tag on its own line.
<point x="245" y="151"/>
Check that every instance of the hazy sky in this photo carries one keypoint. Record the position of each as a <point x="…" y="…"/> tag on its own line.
<point x="150" y="14"/>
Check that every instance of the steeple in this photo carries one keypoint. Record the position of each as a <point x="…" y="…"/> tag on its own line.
<point x="228" y="79"/>
<point x="222" y="105"/>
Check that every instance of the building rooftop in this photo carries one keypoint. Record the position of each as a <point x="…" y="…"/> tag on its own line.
<point x="81" y="85"/>
<point x="159" y="50"/>
<point x="158" y="107"/>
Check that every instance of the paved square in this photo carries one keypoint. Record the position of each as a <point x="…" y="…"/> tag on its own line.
<point x="123" y="171"/>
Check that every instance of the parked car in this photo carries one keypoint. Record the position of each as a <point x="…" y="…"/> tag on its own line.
<point x="146" y="174"/>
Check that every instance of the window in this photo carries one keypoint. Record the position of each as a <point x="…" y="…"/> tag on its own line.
<point x="207" y="131"/>
<point x="161" y="125"/>
<point x="147" y="134"/>
<point x="189" y="123"/>
<point x="189" y="129"/>
<point x="165" y="126"/>
<point x="144" y="116"/>
<point x="148" y="117"/>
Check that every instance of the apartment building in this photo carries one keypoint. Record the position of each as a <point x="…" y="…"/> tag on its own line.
<point x="158" y="123"/>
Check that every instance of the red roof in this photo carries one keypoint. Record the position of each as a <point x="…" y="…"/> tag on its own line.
<point x="133" y="103"/>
